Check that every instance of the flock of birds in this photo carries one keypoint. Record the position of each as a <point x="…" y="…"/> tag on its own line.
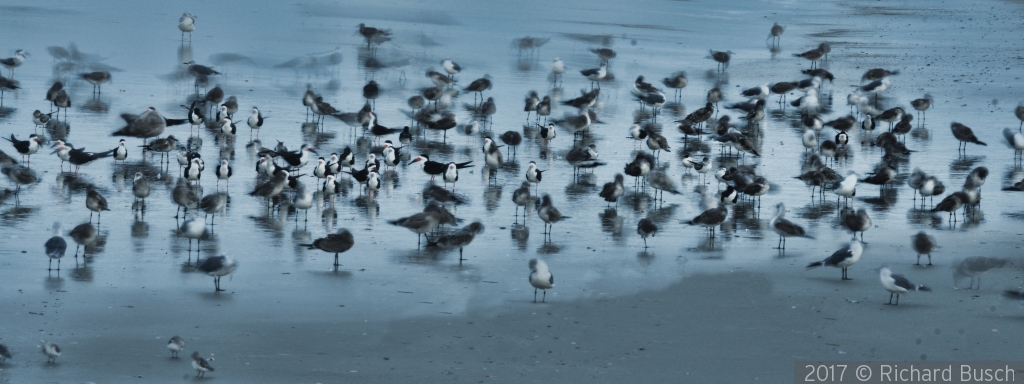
<point x="279" y="168"/>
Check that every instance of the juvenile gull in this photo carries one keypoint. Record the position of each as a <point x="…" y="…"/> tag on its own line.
<point x="13" y="62"/>
<point x="722" y="58"/>
<point x="187" y="24"/>
<point x="83" y="235"/>
<point x="540" y="278"/>
<point x="549" y="214"/>
<point x="973" y="267"/>
<point x="923" y="245"/>
<point x="611" y="192"/>
<point x="460" y="238"/>
<point x="843" y="258"/>
<point x="419" y="223"/>
<point x="776" y="34"/>
<point x="217" y="266"/>
<point x="897" y="284"/>
<point x="646" y="227"/>
<point x="661" y="182"/>
<point x="856" y="221"/>
<point x="922" y="104"/>
<point x="1015" y="140"/>
<point x="95" y="202"/>
<point x="334" y="243"/>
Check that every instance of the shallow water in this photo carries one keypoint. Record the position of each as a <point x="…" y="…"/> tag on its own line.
<point x="137" y="269"/>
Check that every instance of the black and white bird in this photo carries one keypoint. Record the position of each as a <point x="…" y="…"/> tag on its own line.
<point x="217" y="266"/>
<point x="434" y="168"/>
<point x="451" y="67"/>
<point x="843" y="258"/>
<point x="785" y="228"/>
<point x="596" y="75"/>
<point x="255" y="122"/>
<point x="120" y="153"/>
<point x="534" y="175"/>
<point x="897" y="284"/>
<point x="223" y="172"/>
<point x="79" y="157"/>
<point x="25" y="147"/>
<point x="540" y="278"/>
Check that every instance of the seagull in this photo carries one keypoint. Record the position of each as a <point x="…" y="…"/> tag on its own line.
<point x="711" y="218"/>
<point x="187" y="24"/>
<point x="95" y="202"/>
<point x="813" y="55"/>
<point x="200" y="365"/>
<point x="213" y="203"/>
<point x="756" y="93"/>
<point x="374" y="35"/>
<point x="897" y="284"/>
<point x="843" y="258"/>
<point x="4" y="354"/>
<point x="611" y="192"/>
<point x="1015" y="140"/>
<point x="451" y="67"/>
<point x="660" y="181"/>
<point x="140" y="186"/>
<point x="13" y="62"/>
<point x="419" y="223"/>
<point x="922" y="104"/>
<point x="558" y="68"/>
<point x="52" y="351"/>
<point x="83" y="235"/>
<point x="56" y="246"/>
<point x="951" y="203"/>
<point x="973" y="267"/>
<point x="876" y="87"/>
<point x="193" y="229"/>
<point x="460" y="238"/>
<point x="856" y="222"/>
<point x="923" y="245"/>
<point x="646" y="227"/>
<point x="176" y="344"/>
<point x="776" y="34"/>
<point x="334" y="243"/>
<point x="785" y="228"/>
<point x="723" y="61"/>
<point x="216" y="266"/>
<point x="149" y="124"/>
<point x="549" y="213"/>
<point x="595" y="74"/>
<point x="540" y="278"/>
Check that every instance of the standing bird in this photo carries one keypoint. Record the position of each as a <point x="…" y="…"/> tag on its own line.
<point x="419" y="223"/>
<point x="922" y="105"/>
<point x="19" y="175"/>
<point x="813" y="55"/>
<point x="843" y="258"/>
<point x="776" y="34"/>
<point x="512" y="139"/>
<point x="255" y="122"/>
<point x="461" y="237"/>
<point x="95" y="202"/>
<point x="13" y="62"/>
<point x="611" y="192"/>
<point x="334" y="243"/>
<point x="785" y="228"/>
<point x="1019" y="112"/>
<point x="200" y="365"/>
<point x="661" y="182"/>
<point x="876" y="87"/>
<point x="25" y="147"/>
<point x="370" y="92"/>
<point x="595" y="75"/>
<point x="711" y="218"/>
<point x="923" y="245"/>
<point x="646" y="227"/>
<point x="373" y="35"/>
<point x="558" y="68"/>
<point x="140" y="186"/>
<point x="149" y="124"/>
<point x="52" y="351"/>
<point x="96" y="79"/>
<point x="187" y="23"/>
<point x="965" y="135"/>
<point x="657" y="143"/>
<point x="193" y="229"/>
<point x="175" y="345"/>
<point x="216" y="266"/>
<point x="482" y="84"/>
<point x="540" y="278"/>
<point x="56" y="246"/>
<point x="4" y="354"/>
<point x="120" y="153"/>
<point x="223" y="172"/>
<point x="521" y="197"/>
<point x="722" y="58"/>
<point x="534" y="175"/>
<point x="451" y="67"/>
<point x="897" y="284"/>
<point x="549" y="214"/>
<point x="856" y="222"/>
<point x="83" y="235"/>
